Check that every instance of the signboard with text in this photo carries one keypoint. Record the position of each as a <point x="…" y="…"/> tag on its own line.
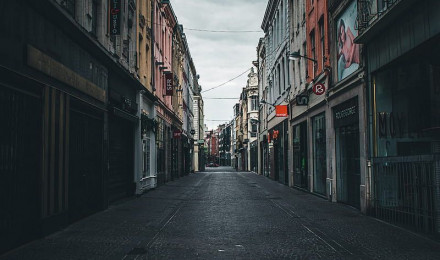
<point x="115" y="17"/>
<point x="169" y="84"/>
<point x="281" y="111"/>
<point x="302" y="100"/>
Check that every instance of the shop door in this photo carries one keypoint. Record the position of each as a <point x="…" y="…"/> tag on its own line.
<point x="348" y="165"/>
<point x="277" y="159"/>
<point x="300" y="162"/>
<point x="120" y="183"/>
<point x="20" y="147"/>
<point x="85" y="164"/>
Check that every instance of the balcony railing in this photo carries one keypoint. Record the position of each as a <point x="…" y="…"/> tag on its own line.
<point x="370" y="10"/>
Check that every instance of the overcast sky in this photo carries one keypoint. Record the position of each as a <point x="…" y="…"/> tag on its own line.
<point x="219" y="57"/>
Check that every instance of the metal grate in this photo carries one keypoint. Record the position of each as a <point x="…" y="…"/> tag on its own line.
<point x="405" y="191"/>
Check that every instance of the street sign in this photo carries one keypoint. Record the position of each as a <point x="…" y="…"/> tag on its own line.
<point x="193" y="132"/>
<point x="318" y="89"/>
<point x="302" y="100"/>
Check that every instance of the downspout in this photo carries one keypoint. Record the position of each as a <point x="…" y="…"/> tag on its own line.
<point x="153" y="83"/>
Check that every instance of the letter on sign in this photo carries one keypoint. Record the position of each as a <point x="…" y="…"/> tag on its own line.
<point x="302" y="100"/>
<point x="169" y="84"/>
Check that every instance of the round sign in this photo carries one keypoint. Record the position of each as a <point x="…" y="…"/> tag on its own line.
<point x="319" y="89"/>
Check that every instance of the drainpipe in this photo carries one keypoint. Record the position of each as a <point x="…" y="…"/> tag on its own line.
<point x="153" y="83"/>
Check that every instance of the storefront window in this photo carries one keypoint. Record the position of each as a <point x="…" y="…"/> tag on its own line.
<point x="407" y="117"/>
<point x="319" y="154"/>
<point x="146" y="157"/>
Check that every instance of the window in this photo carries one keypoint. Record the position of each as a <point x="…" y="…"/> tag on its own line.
<point x="94" y="16"/>
<point x="312" y="46"/>
<point x="321" y="31"/>
<point x="70" y="6"/>
<point x="305" y="51"/>
<point x="146" y="157"/>
<point x="279" y="79"/>
<point x="283" y="80"/>
<point x="254" y="103"/>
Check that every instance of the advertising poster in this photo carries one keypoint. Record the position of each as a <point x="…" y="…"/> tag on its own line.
<point x="348" y="51"/>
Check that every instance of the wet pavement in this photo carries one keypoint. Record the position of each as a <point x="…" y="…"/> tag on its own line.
<point x="224" y="214"/>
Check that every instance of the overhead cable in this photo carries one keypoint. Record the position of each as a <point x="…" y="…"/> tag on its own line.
<point x="209" y="89"/>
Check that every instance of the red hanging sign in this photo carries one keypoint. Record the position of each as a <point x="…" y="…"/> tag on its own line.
<point x="318" y="89"/>
<point x="281" y="111"/>
<point x="169" y="84"/>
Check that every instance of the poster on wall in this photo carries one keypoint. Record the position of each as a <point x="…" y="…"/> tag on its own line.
<point x="348" y="51"/>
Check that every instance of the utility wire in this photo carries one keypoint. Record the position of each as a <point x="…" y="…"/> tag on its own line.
<point x="228" y="31"/>
<point x="219" y="98"/>
<point x="209" y="89"/>
<point x="270" y="54"/>
<point x="221" y="31"/>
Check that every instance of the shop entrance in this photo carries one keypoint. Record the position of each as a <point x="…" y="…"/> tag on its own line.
<point x="300" y="162"/>
<point x="86" y="163"/>
<point x="20" y="142"/>
<point x="120" y="183"/>
<point x="348" y="165"/>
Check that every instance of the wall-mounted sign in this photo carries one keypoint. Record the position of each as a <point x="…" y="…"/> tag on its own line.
<point x="281" y="111"/>
<point x="45" y="64"/>
<point x="115" y="17"/>
<point x="169" y="84"/>
<point x="318" y="89"/>
<point x="346" y="113"/>
<point x="302" y="100"/>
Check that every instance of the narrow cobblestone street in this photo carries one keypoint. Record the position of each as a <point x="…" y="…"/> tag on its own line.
<point x="223" y="214"/>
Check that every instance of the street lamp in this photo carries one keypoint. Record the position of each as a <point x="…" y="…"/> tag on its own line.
<point x="295" y="56"/>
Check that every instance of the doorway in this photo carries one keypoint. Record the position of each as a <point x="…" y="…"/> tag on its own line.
<point x="348" y="165"/>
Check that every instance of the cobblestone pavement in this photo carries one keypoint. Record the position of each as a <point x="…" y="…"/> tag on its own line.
<point x="223" y="214"/>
